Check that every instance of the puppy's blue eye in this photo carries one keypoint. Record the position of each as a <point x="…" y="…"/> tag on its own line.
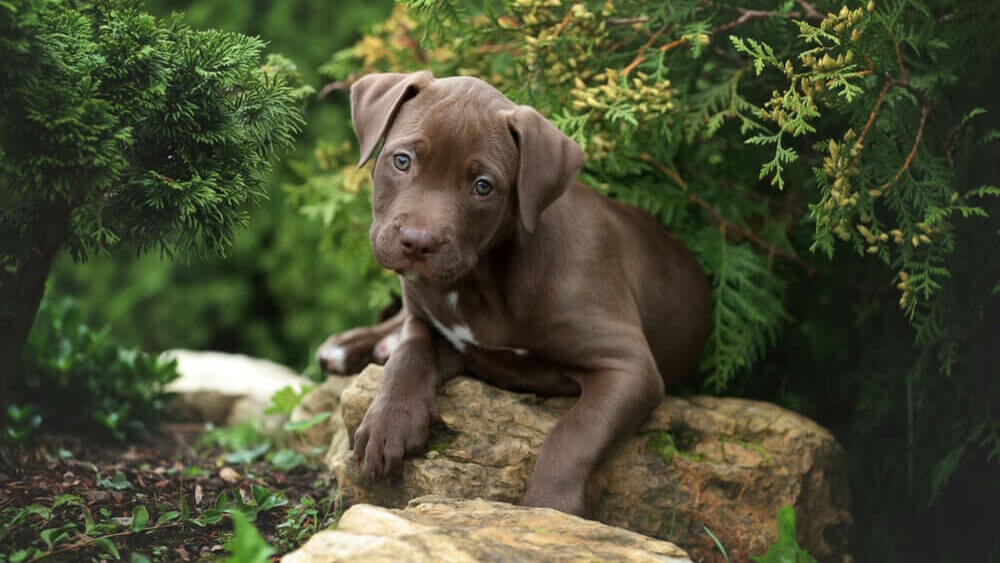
<point x="401" y="162"/>
<point x="482" y="188"/>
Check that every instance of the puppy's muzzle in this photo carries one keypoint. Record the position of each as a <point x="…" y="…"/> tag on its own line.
<point x="418" y="244"/>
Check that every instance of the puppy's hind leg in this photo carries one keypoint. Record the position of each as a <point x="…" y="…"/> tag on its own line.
<point x="349" y="352"/>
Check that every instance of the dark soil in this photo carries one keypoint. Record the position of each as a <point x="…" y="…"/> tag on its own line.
<point x="161" y="476"/>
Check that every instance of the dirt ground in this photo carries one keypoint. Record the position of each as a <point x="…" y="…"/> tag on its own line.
<point x="89" y="492"/>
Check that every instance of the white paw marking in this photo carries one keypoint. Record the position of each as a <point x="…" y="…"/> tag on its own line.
<point x="387" y="345"/>
<point x="337" y="356"/>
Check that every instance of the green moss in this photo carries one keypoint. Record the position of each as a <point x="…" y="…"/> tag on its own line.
<point x="678" y="441"/>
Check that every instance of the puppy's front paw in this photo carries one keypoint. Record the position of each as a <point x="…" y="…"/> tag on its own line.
<point x="389" y="431"/>
<point x="564" y="497"/>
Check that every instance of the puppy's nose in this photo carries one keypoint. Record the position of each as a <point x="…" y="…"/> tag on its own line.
<point x="418" y="243"/>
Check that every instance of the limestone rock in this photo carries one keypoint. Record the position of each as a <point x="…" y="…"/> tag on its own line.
<point x="226" y="388"/>
<point x="723" y="463"/>
<point x="331" y="433"/>
<point x="435" y="529"/>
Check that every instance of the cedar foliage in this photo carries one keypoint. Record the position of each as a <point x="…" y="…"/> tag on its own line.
<point x="831" y="167"/>
<point x="118" y="127"/>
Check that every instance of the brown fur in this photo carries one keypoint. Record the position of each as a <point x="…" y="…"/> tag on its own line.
<point x="563" y="290"/>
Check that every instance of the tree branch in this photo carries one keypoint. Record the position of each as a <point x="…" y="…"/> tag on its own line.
<point x="564" y="22"/>
<point x="745" y="16"/>
<point x="878" y="104"/>
<point x="811" y="12"/>
<point x="924" y="110"/>
<point x="639" y="57"/>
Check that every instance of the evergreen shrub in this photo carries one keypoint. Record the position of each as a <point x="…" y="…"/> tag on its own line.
<point x="117" y="127"/>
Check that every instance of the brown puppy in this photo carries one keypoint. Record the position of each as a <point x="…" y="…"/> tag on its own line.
<point x="514" y="272"/>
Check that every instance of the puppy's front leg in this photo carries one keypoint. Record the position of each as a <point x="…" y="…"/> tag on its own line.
<point x="612" y="406"/>
<point x="397" y="422"/>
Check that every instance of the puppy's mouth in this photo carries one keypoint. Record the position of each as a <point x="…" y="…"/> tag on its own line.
<point x="437" y="270"/>
<point x="422" y="272"/>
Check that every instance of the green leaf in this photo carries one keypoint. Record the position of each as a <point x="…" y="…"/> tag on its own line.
<point x="247" y="456"/>
<point x="167" y="517"/>
<point x="306" y="424"/>
<point x="24" y="555"/>
<point x="108" y="549"/>
<point x="66" y="499"/>
<point x="284" y="400"/>
<point x="247" y="545"/>
<point x="117" y="482"/>
<point x="718" y="544"/>
<point x="287" y="459"/>
<point x="53" y="536"/>
<point x="209" y="516"/>
<point x="140" y="516"/>
<point x="43" y="512"/>
<point x="786" y="549"/>
<point x="267" y="499"/>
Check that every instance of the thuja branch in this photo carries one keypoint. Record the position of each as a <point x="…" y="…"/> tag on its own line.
<point x="924" y="110"/>
<point x="745" y="16"/>
<point x="640" y="56"/>
<point x="874" y="113"/>
<point x="725" y="225"/>
<point x="811" y="12"/>
<point x="902" y="81"/>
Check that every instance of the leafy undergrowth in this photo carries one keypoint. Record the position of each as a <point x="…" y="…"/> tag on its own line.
<point x="173" y="497"/>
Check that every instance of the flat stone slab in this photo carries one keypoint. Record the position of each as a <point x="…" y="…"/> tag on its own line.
<point x="226" y="388"/>
<point x="433" y="529"/>
<point x="725" y="464"/>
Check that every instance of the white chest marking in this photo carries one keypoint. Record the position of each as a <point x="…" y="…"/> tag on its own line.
<point x="452" y="300"/>
<point x="458" y="336"/>
<point x="461" y="335"/>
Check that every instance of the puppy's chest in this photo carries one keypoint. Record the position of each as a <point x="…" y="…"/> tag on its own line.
<point x="471" y="328"/>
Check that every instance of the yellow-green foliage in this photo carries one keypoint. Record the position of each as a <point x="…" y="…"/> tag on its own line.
<point x="607" y="74"/>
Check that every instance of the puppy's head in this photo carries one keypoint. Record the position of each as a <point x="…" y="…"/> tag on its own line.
<point x="460" y="168"/>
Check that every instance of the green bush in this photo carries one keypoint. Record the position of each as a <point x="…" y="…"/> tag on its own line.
<point x="286" y="283"/>
<point x="120" y="128"/>
<point x="80" y="378"/>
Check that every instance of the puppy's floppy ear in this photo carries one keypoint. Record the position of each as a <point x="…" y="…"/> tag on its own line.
<point x="550" y="160"/>
<point x="375" y="99"/>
